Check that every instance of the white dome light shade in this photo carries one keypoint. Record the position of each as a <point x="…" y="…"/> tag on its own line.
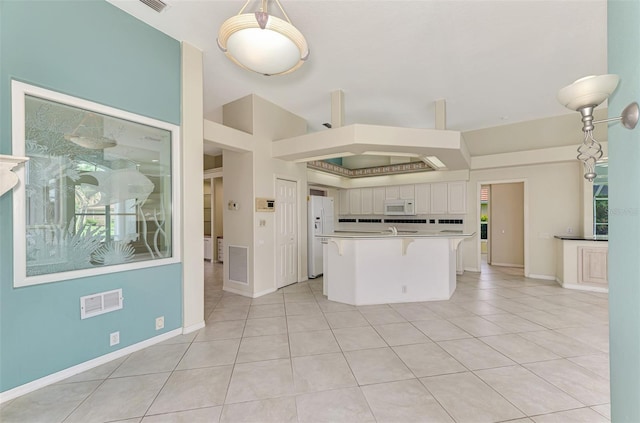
<point x="277" y="49"/>
<point x="263" y="51"/>
<point x="588" y="91"/>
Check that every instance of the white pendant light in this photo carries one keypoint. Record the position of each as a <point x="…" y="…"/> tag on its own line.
<point x="583" y="96"/>
<point x="263" y="43"/>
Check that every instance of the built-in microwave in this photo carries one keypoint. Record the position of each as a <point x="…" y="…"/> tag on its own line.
<point x="399" y="208"/>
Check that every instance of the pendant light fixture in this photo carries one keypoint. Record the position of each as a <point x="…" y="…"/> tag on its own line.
<point x="263" y="43"/>
<point x="584" y="95"/>
<point x="88" y="134"/>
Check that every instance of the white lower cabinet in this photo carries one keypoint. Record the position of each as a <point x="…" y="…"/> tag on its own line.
<point x="208" y="249"/>
<point x="593" y="265"/>
<point x="220" y="249"/>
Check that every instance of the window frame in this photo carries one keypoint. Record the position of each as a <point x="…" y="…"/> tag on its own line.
<point x="19" y="92"/>
<point x="594" y="201"/>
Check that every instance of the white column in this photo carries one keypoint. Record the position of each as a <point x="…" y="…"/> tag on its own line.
<point x="192" y="200"/>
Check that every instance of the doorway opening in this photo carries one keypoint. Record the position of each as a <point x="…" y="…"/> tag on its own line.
<point x="213" y="224"/>
<point x="503" y="226"/>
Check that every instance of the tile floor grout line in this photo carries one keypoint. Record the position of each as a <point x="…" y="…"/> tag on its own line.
<point x="472" y="302"/>
<point x="85" y="399"/>
<point x="168" y="378"/>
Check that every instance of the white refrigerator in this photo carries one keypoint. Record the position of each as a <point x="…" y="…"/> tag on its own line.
<point x="320" y="220"/>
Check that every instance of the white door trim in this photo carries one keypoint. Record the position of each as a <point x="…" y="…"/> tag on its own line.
<point x="479" y="183"/>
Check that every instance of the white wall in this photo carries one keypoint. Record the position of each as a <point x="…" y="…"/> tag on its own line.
<point x="271" y="122"/>
<point x="238" y="230"/>
<point x="192" y="207"/>
<point x="253" y="174"/>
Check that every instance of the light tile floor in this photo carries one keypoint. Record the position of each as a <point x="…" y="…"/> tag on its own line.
<point x="504" y="348"/>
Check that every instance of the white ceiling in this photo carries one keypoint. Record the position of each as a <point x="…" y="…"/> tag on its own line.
<point x="495" y="62"/>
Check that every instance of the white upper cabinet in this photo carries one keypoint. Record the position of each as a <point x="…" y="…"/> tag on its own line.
<point x="423" y="198"/>
<point x="379" y="195"/>
<point x="407" y="192"/>
<point x="355" y="201"/>
<point x="439" y="198"/>
<point x="449" y="198"/>
<point x="392" y="193"/>
<point x="366" y="195"/>
<point x="457" y="203"/>
<point x="343" y="201"/>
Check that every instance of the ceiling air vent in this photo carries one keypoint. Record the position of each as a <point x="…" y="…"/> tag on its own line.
<point x="156" y="5"/>
<point x="104" y="302"/>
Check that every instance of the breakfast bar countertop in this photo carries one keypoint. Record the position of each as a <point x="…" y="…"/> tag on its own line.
<point x="398" y="234"/>
<point x="582" y="238"/>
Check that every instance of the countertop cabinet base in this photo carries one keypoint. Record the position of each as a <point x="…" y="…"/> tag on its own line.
<point x="592" y="266"/>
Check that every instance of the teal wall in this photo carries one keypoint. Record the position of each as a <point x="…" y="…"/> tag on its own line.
<point x="624" y="214"/>
<point x="92" y="50"/>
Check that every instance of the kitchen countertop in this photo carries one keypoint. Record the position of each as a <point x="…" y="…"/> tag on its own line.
<point x="582" y="238"/>
<point x="400" y="234"/>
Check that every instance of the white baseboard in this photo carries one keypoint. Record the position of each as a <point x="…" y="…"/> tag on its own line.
<point x="236" y="291"/>
<point x="493" y="263"/>
<point x="265" y="292"/>
<point x="248" y="294"/>
<point x="193" y="328"/>
<point x="82" y="367"/>
<point x="543" y="277"/>
<point x="579" y="287"/>
<point x="472" y="269"/>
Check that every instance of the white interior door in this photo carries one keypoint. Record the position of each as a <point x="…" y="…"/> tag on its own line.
<point x="286" y="232"/>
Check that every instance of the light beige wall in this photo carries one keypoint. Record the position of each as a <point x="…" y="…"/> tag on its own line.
<point x="238" y="230"/>
<point x="251" y="175"/>
<point x="239" y="114"/>
<point x="507" y="224"/>
<point x="552" y="204"/>
<point x="192" y="200"/>
<point x="272" y="122"/>
<point x="212" y="162"/>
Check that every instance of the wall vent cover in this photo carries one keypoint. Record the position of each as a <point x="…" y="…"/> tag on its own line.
<point x="156" y="5"/>
<point x="103" y="302"/>
<point x="238" y="264"/>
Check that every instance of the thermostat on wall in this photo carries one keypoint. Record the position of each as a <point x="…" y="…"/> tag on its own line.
<point x="265" y="205"/>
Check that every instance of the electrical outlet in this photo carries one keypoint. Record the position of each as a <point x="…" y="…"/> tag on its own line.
<point x="404" y="289"/>
<point x="114" y="339"/>
<point x="159" y="322"/>
<point x="569" y="230"/>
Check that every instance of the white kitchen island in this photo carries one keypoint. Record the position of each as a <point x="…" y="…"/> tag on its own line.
<point x="380" y="268"/>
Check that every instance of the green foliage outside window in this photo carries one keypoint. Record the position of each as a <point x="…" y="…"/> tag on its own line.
<point x="601" y="200"/>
